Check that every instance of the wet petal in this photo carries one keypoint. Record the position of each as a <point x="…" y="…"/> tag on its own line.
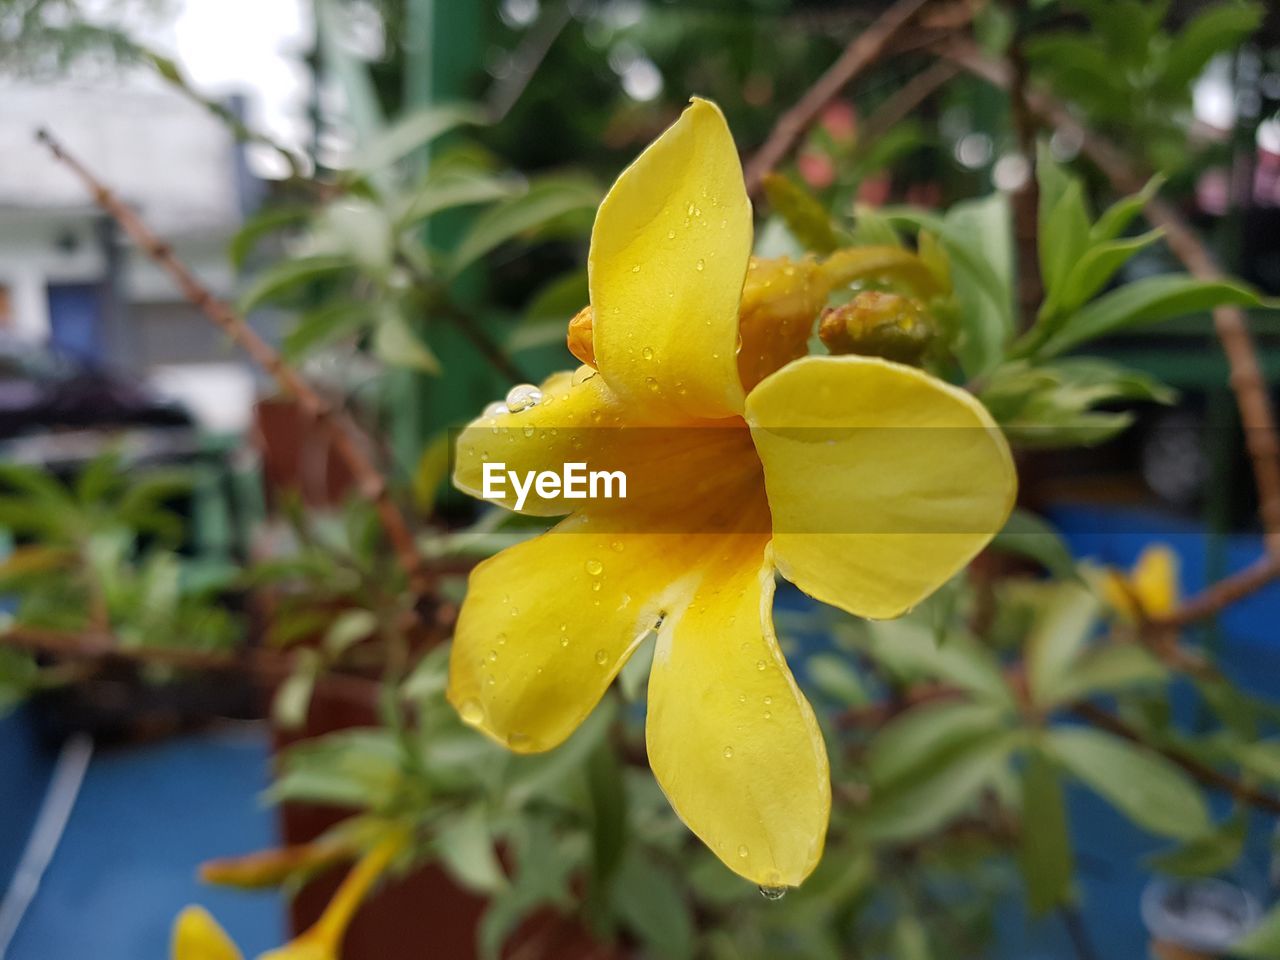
<point x="731" y="738"/>
<point x="883" y="481"/>
<point x="668" y="255"/>
<point x="197" y="936"/>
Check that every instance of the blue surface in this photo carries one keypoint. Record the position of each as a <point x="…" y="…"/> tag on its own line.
<point x="145" y="818"/>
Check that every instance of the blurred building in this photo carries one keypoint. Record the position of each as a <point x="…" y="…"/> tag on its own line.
<point x="67" y="277"/>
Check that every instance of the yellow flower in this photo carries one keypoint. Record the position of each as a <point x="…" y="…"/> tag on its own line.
<point x="810" y="467"/>
<point x="1151" y="588"/>
<point x="197" y="936"/>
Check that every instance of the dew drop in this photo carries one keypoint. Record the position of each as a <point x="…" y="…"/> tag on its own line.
<point x="701" y="264"/>
<point x="601" y="657"/>
<point x="728" y="753"/>
<point x="647" y="353"/>
<point x="492" y="656"/>
<point x="523" y="396"/>
<point x="743" y="851"/>
<point x="595" y="567"/>
<point x="768" y="715"/>
<point x="491" y="680"/>
<point x="564" y="641"/>
<point x="496" y="409"/>
<point x="636" y="268"/>
<point x="651" y="383"/>
<point x="768" y="700"/>
<point x="528" y="431"/>
<point x="583" y="374"/>
<point x="671" y="234"/>
<point x="773" y="893"/>
<point x="471" y="711"/>
<point x="616" y="546"/>
<point x="760" y="665"/>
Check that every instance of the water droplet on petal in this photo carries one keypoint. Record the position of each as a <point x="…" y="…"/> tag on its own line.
<point x="528" y="430"/>
<point x="616" y="546"/>
<point x="701" y="264"/>
<point x="671" y="234"/>
<point x="761" y="665"/>
<point x="493" y="656"/>
<point x="583" y="374"/>
<point x="728" y="753"/>
<point x="564" y="641"/>
<point x="523" y="396"/>
<point x="651" y="383"/>
<point x="595" y="567"/>
<point x="636" y="268"/>
<point x="471" y="711"/>
<point x="768" y="700"/>
<point x="647" y="353"/>
<point x="743" y="851"/>
<point x="496" y="409"/>
<point x="773" y="893"/>
<point x="601" y="657"/>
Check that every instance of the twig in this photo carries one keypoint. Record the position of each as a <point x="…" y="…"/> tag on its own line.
<point x="1252" y="399"/>
<point x="1026" y="198"/>
<point x="861" y="52"/>
<point x="1223" y="593"/>
<point x="906" y="99"/>
<point x="268" y="666"/>
<point x="504" y="93"/>
<point x="1202" y="772"/>
<point x="343" y="433"/>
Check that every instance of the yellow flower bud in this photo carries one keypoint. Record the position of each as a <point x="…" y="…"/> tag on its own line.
<point x="876" y="324"/>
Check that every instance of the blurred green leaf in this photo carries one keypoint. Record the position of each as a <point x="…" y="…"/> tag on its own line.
<point x="918" y="739"/>
<point x="1148" y="789"/>
<point x="1218" y="29"/>
<point x="806" y="218"/>
<point x="348" y="628"/>
<point x="398" y="346"/>
<point x="413" y="131"/>
<point x="293" y="696"/>
<point x="648" y="902"/>
<point x="1045" y="851"/>
<point x="317" y="328"/>
<point x="1109" y="670"/>
<point x="261" y="225"/>
<point x="1064" y="238"/>
<point x="1213" y="853"/>
<point x="1061" y="630"/>
<point x="450" y="190"/>
<point x="909" y="649"/>
<point x="1263" y="942"/>
<point x="287" y="276"/>
<point x="1117" y="217"/>
<point x="543" y="202"/>
<point x="1028" y="535"/>
<point x="836" y="677"/>
<point x="466" y="848"/>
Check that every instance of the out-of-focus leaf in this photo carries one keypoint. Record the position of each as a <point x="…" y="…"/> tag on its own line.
<point x="1090" y="273"/>
<point x="352" y="75"/>
<point x="320" y="327"/>
<point x="261" y="225"/>
<point x="608" y="814"/>
<point x="19" y="675"/>
<point x="361" y="231"/>
<point x="1117" y="217"/>
<point x="648" y="902"/>
<point x="806" y="218"/>
<point x="1216" y="29"/>
<point x="293" y="697"/>
<point x="1064" y="237"/>
<point x="909" y="649"/>
<point x="430" y="473"/>
<point x="836" y="677"/>
<point x="542" y="203"/>
<point x="1204" y="856"/>
<point x="919" y="737"/>
<point x="1145" y="302"/>
<point x="397" y="346"/>
<point x="348" y="629"/>
<point x="1030" y="536"/>
<point x="465" y="846"/>
<point x="1045" y="850"/>
<point x="446" y="191"/>
<point x="872" y="229"/>
<point x="1263" y="941"/>
<point x="412" y="132"/>
<point x="352" y="768"/>
<point x="916" y="806"/>
<point x="288" y="275"/>
<point x="1109" y="670"/>
<point x="1144" y="786"/>
<point x="1061" y="630"/>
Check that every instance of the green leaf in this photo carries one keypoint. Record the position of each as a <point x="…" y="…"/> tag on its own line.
<point x="1064" y="237"/>
<point x="1110" y="670"/>
<point x="1060" y="632"/>
<point x="543" y="202"/>
<point x="287" y="276"/>
<point x="873" y="229"/>
<point x="917" y="806"/>
<point x="909" y="649"/>
<point x="412" y="132"/>
<point x="1263" y="942"/>
<point x="1027" y="535"/>
<point x="293" y="696"/>
<point x="260" y="225"/>
<point x="318" y="328"/>
<point x="1205" y="856"/>
<point x="348" y="629"/>
<point x="447" y="191"/>
<point x="1091" y="272"/>
<point x="647" y="900"/>
<point x="19" y="676"/>
<point x="465" y="846"/>
<point x="608" y="800"/>
<point x="351" y="74"/>
<point x="431" y="472"/>
<point x="1148" y="789"/>
<point x="1218" y="29"/>
<point x="1117" y="217"/>
<point x="397" y="346"/>
<point x="1045" y="849"/>
<point x="836" y="677"/>
<point x="1144" y="302"/>
<point x="352" y="768"/>
<point x="806" y="218"/>
<point x="918" y="738"/>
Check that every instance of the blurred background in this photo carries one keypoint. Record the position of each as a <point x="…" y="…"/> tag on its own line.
<point x="487" y="132"/>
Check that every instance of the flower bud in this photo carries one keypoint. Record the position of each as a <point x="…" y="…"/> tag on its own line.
<point x="877" y="324"/>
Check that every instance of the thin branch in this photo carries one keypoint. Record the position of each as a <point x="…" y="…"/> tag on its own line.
<point x="1026" y="198"/>
<point x="1223" y="593"/>
<point x="347" y="439"/>
<point x="861" y="52"/>
<point x="1247" y="382"/>
<point x="528" y="56"/>
<point x="906" y="99"/>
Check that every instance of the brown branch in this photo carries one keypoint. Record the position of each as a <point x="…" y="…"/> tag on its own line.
<point x="1202" y="772"/>
<point x="861" y="52"/>
<point x="342" y="432"/>
<point x="1223" y="593"/>
<point x="1252" y="399"/>
<point x="1026" y="198"/>
<point x="267" y="666"/>
<point x="906" y="99"/>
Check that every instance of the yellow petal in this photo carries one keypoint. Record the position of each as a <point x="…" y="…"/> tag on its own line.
<point x="780" y="302"/>
<point x="197" y="936"/>
<point x="1155" y="580"/>
<point x="548" y="623"/>
<point x="668" y="255"/>
<point x="883" y="481"/>
<point x="731" y="739"/>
